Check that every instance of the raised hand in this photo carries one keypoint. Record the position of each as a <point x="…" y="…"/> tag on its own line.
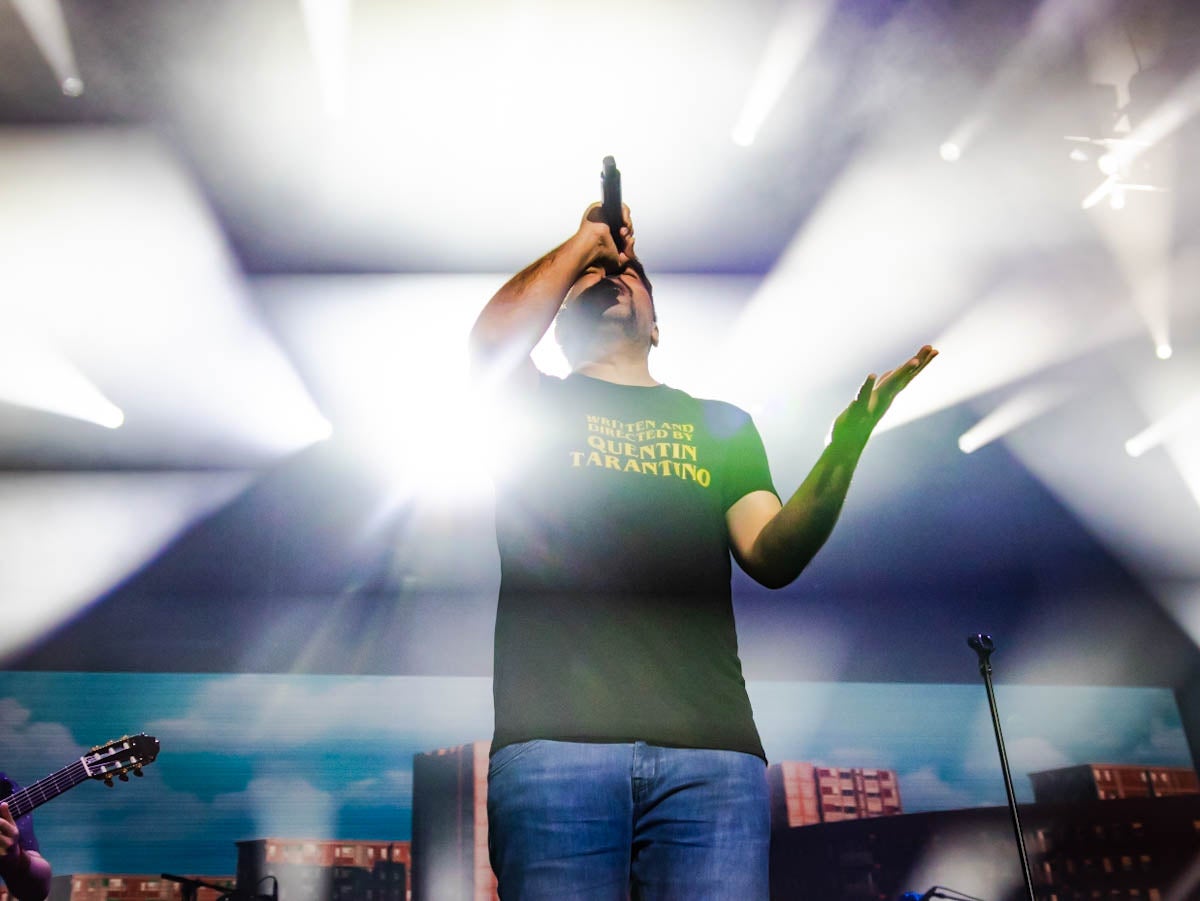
<point x="593" y="229"/>
<point x="854" y="426"/>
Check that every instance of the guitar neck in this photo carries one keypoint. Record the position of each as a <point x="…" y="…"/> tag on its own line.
<point x="26" y="799"/>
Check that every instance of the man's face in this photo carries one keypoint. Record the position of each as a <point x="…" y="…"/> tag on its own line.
<point x="623" y="298"/>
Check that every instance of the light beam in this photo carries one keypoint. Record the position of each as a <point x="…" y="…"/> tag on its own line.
<point x="327" y="23"/>
<point x="48" y="27"/>
<point x="1182" y="417"/>
<point x="1013" y="413"/>
<point x="790" y="42"/>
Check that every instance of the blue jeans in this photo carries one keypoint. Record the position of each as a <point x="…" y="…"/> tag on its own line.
<point x="609" y="822"/>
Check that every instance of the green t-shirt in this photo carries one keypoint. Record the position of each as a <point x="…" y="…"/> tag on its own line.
<point x="615" y="620"/>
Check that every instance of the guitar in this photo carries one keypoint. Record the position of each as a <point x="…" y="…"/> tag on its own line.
<point x="103" y="762"/>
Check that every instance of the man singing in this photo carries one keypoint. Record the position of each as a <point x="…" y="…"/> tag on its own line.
<point x="625" y="761"/>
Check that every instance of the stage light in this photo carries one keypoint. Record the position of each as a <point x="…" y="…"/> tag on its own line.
<point x="950" y="152"/>
<point x="1163" y="351"/>
<point x="1098" y="194"/>
<point x="1014" y="412"/>
<point x="105" y="524"/>
<point x="327" y="23"/>
<point x="1181" y="418"/>
<point x="394" y="334"/>
<point x="1182" y="103"/>
<point x="1140" y="241"/>
<point x="1109" y="164"/>
<point x="1037" y="331"/>
<point x="790" y="42"/>
<point x="35" y="374"/>
<point x="152" y="307"/>
<point x="48" y="28"/>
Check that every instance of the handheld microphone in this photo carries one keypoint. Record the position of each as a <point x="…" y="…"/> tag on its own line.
<point x="610" y="190"/>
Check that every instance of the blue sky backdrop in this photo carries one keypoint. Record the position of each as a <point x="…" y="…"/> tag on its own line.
<point x="247" y="756"/>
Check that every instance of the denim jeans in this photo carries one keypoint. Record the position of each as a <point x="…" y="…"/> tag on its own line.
<point x="609" y="822"/>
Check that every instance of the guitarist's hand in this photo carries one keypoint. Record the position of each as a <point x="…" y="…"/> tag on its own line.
<point x="10" y="835"/>
<point x="26" y="873"/>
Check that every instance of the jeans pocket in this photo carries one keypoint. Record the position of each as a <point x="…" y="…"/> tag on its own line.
<point x="506" y="755"/>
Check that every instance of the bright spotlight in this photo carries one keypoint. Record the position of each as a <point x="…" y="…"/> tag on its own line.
<point x="790" y="42"/>
<point x="1163" y="351"/>
<point x="112" y="419"/>
<point x="48" y="28"/>
<point x="34" y="373"/>
<point x="1176" y="421"/>
<point x="328" y="27"/>
<point x="950" y="152"/>
<point x="1010" y="415"/>
<point x="1109" y="164"/>
<point x="742" y="135"/>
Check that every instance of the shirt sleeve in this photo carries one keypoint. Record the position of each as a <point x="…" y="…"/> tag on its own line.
<point x="746" y="466"/>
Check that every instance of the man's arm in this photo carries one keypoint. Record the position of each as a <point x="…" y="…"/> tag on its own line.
<point x="772" y="542"/>
<point x="514" y="320"/>
<point x="26" y="873"/>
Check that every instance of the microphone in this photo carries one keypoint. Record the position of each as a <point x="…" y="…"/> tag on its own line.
<point x="980" y="643"/>
<point x="983" y="646"/>
<point x="610" y="191"/>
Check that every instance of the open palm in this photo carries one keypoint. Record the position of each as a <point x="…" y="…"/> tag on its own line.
<point x="855" y="424"/>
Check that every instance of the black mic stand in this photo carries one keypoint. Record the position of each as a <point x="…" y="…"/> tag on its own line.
<point x="939" y="891"/>
<point x="983" y="646"/>
<point x="188" y="887"/>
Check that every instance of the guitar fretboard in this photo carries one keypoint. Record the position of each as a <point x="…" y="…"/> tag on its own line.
<point x="26" y="799"/>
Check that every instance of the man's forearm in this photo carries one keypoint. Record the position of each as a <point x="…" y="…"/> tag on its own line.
<point x="517" y="316"/>
<point x="793" y="536"/>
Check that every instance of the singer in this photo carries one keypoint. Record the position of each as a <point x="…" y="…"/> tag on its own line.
<point x="625" y="761"/>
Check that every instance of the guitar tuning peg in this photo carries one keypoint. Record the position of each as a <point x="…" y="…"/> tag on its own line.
<point x="108" y="781"/>
<point x="124" y="777"/>
<point x="137" y="771"/>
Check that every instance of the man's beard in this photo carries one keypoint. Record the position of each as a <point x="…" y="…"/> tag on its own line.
<point x="584" y="319"/>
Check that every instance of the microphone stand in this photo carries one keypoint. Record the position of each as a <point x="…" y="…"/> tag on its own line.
<point x="188" y="887"/>
<point x="939" y="891"/>
<point x="983" y="646"/>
